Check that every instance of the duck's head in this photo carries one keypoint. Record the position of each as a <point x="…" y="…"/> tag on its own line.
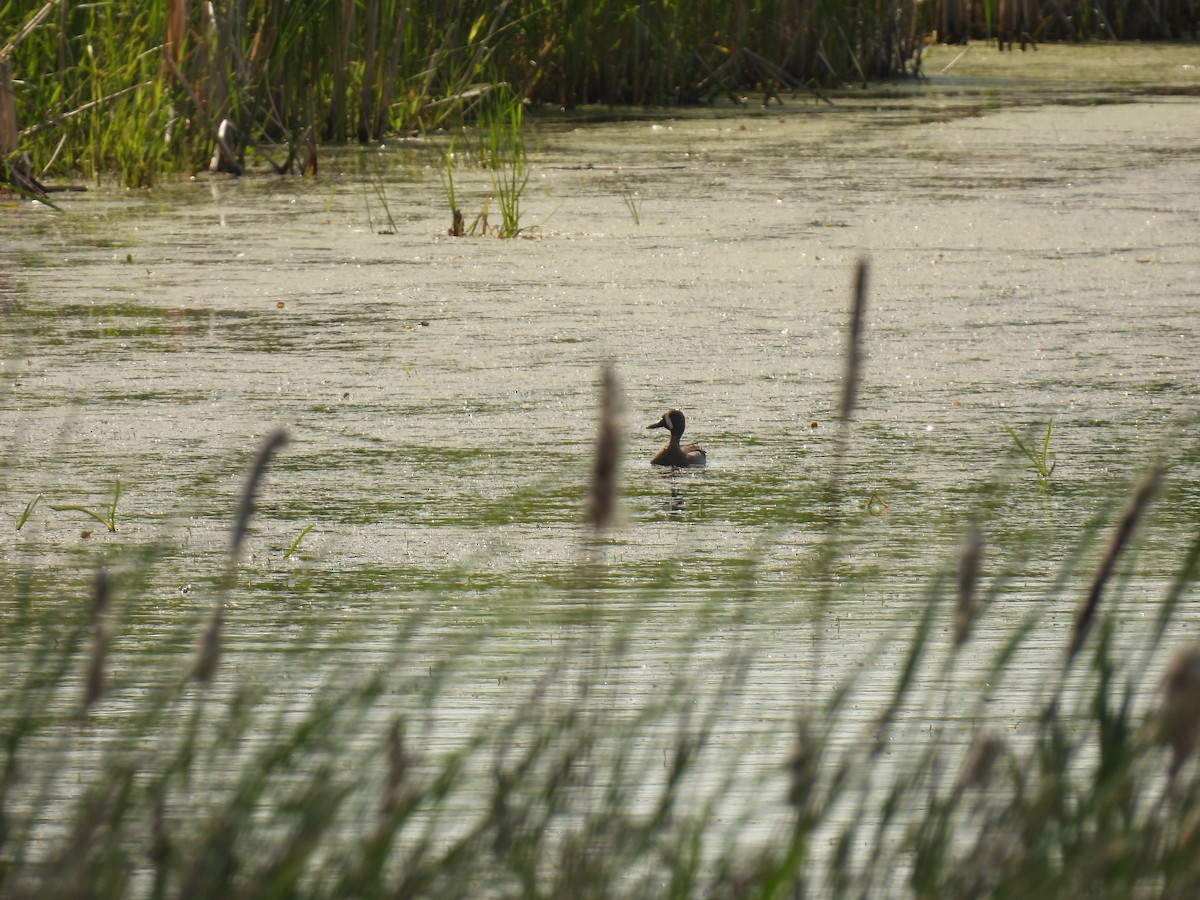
<point x="672" y="420"/>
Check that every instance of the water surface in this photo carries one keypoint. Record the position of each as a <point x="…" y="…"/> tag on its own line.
<point x="1033" y="259"/>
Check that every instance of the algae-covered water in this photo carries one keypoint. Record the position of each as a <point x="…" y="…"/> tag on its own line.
<point x="1033" y="259"/>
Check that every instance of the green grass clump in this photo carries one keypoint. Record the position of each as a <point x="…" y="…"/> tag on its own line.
<point x="1041" y="457"/>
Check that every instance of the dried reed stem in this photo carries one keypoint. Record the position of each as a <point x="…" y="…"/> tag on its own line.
<point x="101" y="634"/>
<point x="803" y="766"/>
<point x="250" y="489"/>
<point x="1178" y="721"/>
<point x="1133" y="513"/>
<point x="400" y="764"/>
<point x="208" y="655"/>
<point x="980" y="760"/>
<point x="853" y="368"/>
<point x="602" y="494"/>
<point x="968" y="577"/>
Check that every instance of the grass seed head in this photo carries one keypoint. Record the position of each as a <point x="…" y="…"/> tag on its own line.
<point x="602" y="495"/>
<point x="968" y="576"/>
<point x="101" y="634"/>
<point x="1178" y="723"/>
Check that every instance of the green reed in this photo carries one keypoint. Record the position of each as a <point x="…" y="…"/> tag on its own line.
<point x="502" y="139"/>
<point x="1039" y="456"/>
<point x="139" y="90"/>
<point x="107" y="518"/>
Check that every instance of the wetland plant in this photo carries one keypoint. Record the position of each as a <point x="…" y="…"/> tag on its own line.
<point x="380" y="191"/>
<point x="445" y="170"/>
<point x="295" y="545"/>
<point x="107" y="519"/>
<point x="28" y="511"/>
<point x="502" y="133"/>
<point x="638" y="753"/>
<point x="140" y="90"/>
<point x="1041" y="457"/>
<point x="500" y="149"/>
<point x="632" y="200"/>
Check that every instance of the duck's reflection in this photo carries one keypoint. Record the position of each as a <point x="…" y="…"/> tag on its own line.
<point x="675" y="501"/>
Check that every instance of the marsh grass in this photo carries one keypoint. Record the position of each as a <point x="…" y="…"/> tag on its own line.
<point x="631" y="756"/>
<point x="496" y="143"/>
<point x="379" y="189"/>
<point x="1040" y="456"/>
<point x="632" y="198"/>
<point x="139" y="90"/>
<point x="106" y="518"/>
<point x="28" y="511"/>
<point x="502" y="135"/>
<point x="295" y="545"/>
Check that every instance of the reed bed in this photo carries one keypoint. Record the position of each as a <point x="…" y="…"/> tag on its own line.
<point x="190" y="767"/>
<point x="141" y="89"/>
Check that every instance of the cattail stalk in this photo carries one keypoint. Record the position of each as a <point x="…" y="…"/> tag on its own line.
<point x="1178" y="721"/>
<point x="602" y="494"/>
<point x="852" y="373"/>
<point x="246" y="505"/>
<point x="399" y="767"/>
<point x="1133" y="513"/>
<point x="802" y="766"/>
<point x="968" y="577"/>
<point x="208" y="655"/>
<point x="98" y="651"/>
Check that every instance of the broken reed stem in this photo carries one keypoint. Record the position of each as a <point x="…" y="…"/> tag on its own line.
<point x="829" y="546"/>
<point x="1133" y="513"/>
<point x="850" y="379"/>
<point x="7" y="50"/>
<point x="602" y="494"/>
<point x="208" y="656"/>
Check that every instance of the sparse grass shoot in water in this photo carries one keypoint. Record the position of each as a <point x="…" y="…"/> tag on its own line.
<point x="108" y="520"/>
<point x="632" y="199"/>
<point x="28" y="511"/>
<point x="1041" y="457"/>
<point x="296" y="543"/>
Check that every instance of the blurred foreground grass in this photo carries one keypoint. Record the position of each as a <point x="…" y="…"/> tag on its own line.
<point x="190" y="763"/>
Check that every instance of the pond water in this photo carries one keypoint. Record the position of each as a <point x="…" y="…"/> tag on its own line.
<point x="1033" y="258"/>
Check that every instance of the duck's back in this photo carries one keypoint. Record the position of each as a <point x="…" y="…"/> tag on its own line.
<point x="680" y="457"/>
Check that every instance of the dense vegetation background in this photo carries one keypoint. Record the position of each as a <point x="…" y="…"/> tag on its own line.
<point x="139" y="88"/>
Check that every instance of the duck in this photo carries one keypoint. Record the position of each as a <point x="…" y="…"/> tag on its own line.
<point x="672" y="454"/>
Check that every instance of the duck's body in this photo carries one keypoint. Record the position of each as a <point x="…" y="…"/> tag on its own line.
<point x="673" y="453"/>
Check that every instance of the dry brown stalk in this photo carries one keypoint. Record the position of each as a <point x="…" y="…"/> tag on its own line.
<point x="852" y="373"/>
<point x="968" y="576"/>
<point x="602" y="496"/>
<point x="1178" y="721"/>
<point x="802" y="766"/>
<point x="273" y="442"/>
<point x="208" y="655"/>
<point x="1133" y="513"/>
<point x="980" y="760"/>
<point x="101" y="634"/>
